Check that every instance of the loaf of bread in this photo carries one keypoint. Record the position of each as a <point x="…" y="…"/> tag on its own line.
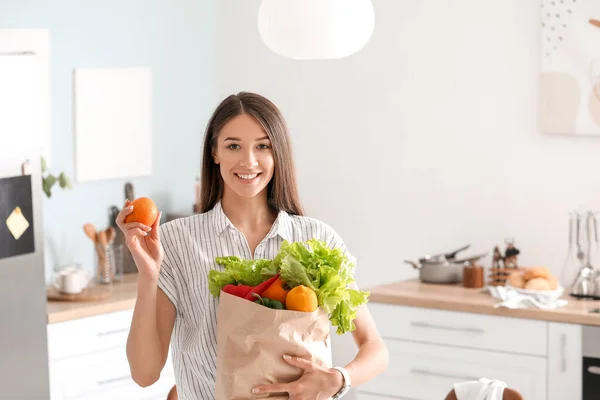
<point x="533" y="278"/>
<point x="537" y="284"/>
<point x="536" y="272"/>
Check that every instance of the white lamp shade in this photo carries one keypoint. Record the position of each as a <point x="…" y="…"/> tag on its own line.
<point x="316" y="29"/>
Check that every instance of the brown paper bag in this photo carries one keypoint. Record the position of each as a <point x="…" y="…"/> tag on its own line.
<point x="251" y="342"/>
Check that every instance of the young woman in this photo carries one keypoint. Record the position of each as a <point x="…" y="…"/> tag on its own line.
<point x="249" y="204"/>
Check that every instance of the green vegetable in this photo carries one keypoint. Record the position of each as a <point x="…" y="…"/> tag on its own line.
<point x="274" y="304"/>
<point x="236" y="271"/>
<point x="328" y="272"/>
<point x="313" y="264"/>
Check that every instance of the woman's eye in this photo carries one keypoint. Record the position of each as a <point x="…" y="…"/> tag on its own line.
<point x="263" y="146"/>
<point x="233" y="146"/>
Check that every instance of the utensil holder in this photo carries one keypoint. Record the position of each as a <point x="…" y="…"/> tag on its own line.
<point x="105" y="264"/>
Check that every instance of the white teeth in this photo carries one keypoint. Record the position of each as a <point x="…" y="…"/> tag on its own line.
<point x="250" y="176"/>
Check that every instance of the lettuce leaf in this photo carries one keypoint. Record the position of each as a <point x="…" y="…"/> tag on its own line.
<point x="236" y="271"/>
<point x="328" y="272"/>
<point x="293" y="273"/>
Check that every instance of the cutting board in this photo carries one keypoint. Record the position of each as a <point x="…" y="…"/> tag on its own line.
<point x="92" y="293"/>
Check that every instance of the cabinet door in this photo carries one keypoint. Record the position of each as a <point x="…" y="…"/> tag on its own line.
<point x="104" y="375"/>
<point x="564" y="361"/>
<point x="88" y="335"/>
<point x="428" y="371"/>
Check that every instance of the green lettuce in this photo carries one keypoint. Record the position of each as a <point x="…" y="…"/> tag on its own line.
<point x="236" y="271"/>
<point x="313" y="264"/>
<point x="328" y="272"/>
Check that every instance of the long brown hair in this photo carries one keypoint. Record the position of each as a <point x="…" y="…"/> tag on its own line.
<point x="282" y="190"/>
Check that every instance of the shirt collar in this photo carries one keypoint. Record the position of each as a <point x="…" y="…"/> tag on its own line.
<point x="281" y="226"/>
<point x="219" y="219"/>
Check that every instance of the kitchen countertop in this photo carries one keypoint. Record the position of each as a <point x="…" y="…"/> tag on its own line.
<point x="122" y="298"/>
<point x="457" y="298"/>
<point x="408" y="293"/>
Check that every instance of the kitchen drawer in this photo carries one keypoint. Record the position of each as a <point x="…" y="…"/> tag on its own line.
<point x="513" y="335"/>
<point x="88" y="335"/>
<point x="419" y="371"/>
<point x="103" y="375"/>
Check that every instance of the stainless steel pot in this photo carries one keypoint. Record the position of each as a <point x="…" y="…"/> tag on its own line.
<point x="443" y="269"/>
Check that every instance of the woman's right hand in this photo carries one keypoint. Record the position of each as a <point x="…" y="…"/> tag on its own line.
<point x="144" y="243"/>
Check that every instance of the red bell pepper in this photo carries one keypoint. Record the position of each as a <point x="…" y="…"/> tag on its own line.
<point x="259" y="289"/>
<point x="238" y="290"/>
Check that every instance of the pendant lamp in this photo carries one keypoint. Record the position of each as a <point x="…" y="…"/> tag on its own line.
<point x="316" y="29"/>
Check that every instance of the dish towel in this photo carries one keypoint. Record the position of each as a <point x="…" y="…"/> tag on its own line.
<point x="483" y="389"/>
<point x="511" y="298"/>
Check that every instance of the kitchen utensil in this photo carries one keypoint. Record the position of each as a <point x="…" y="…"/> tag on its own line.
<point x="572" y="263"/>
<point x="585" y="284"/>
<point x="102" y="238"/>
<point x="129" y="194"/>
<point x="126" y="265"/>
<point x="440" y="257"/>
<point x="441" y="270"/>
<point x="90" y="231"/>
<point x="110" y="234"/>
<point x="112" y="218"/>
<point x="453" y="254"/>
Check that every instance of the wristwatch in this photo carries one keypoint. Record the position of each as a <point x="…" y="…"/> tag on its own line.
<point x="346" y="386"/>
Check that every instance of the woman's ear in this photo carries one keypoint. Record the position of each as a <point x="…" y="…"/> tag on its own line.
<point x="215" y="157"/>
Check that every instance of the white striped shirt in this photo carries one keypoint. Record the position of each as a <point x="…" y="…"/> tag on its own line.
<point x="191" y="245"/>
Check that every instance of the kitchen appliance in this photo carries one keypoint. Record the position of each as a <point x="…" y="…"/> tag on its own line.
<point x="590" y="365"/>
<point x="23" y="310"/>
<point x="443" y="267"/>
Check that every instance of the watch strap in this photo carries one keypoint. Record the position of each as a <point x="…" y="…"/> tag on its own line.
<point x="346" y="387"/>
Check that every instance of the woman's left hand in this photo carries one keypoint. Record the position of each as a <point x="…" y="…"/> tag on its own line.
<point x="317" y="382"/>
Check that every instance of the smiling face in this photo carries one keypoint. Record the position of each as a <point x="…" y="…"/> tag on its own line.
<point x="244" y="154"/>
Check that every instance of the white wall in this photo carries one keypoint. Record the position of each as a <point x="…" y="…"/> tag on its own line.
<point x="428" y="138"/>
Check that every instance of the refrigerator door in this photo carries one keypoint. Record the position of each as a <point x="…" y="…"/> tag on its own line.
<point x="23" y="315"/>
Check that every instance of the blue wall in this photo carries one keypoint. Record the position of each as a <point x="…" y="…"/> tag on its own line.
<point x="176" y="39"/>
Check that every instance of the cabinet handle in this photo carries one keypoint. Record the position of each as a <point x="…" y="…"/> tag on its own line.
<point x="446" y="328"/>
<point x="442" y="374"/>
<point x="563" y="357"/>
<point x="594" y="370"/>
<point x="113" y="380"/>
<point x="113" y="332"/>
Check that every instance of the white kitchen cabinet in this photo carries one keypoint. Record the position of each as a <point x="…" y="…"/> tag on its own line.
<point x="429" y="371"/>
<point x="431" y="349"/>
<point x="564" y="361"/>
<point x="88" y="361"/>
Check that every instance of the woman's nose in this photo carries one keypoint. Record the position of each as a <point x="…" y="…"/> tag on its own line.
<point x="249" y="160"/>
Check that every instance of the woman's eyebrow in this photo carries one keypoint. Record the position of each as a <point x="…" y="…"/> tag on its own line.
<point x="238" y="139"/>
